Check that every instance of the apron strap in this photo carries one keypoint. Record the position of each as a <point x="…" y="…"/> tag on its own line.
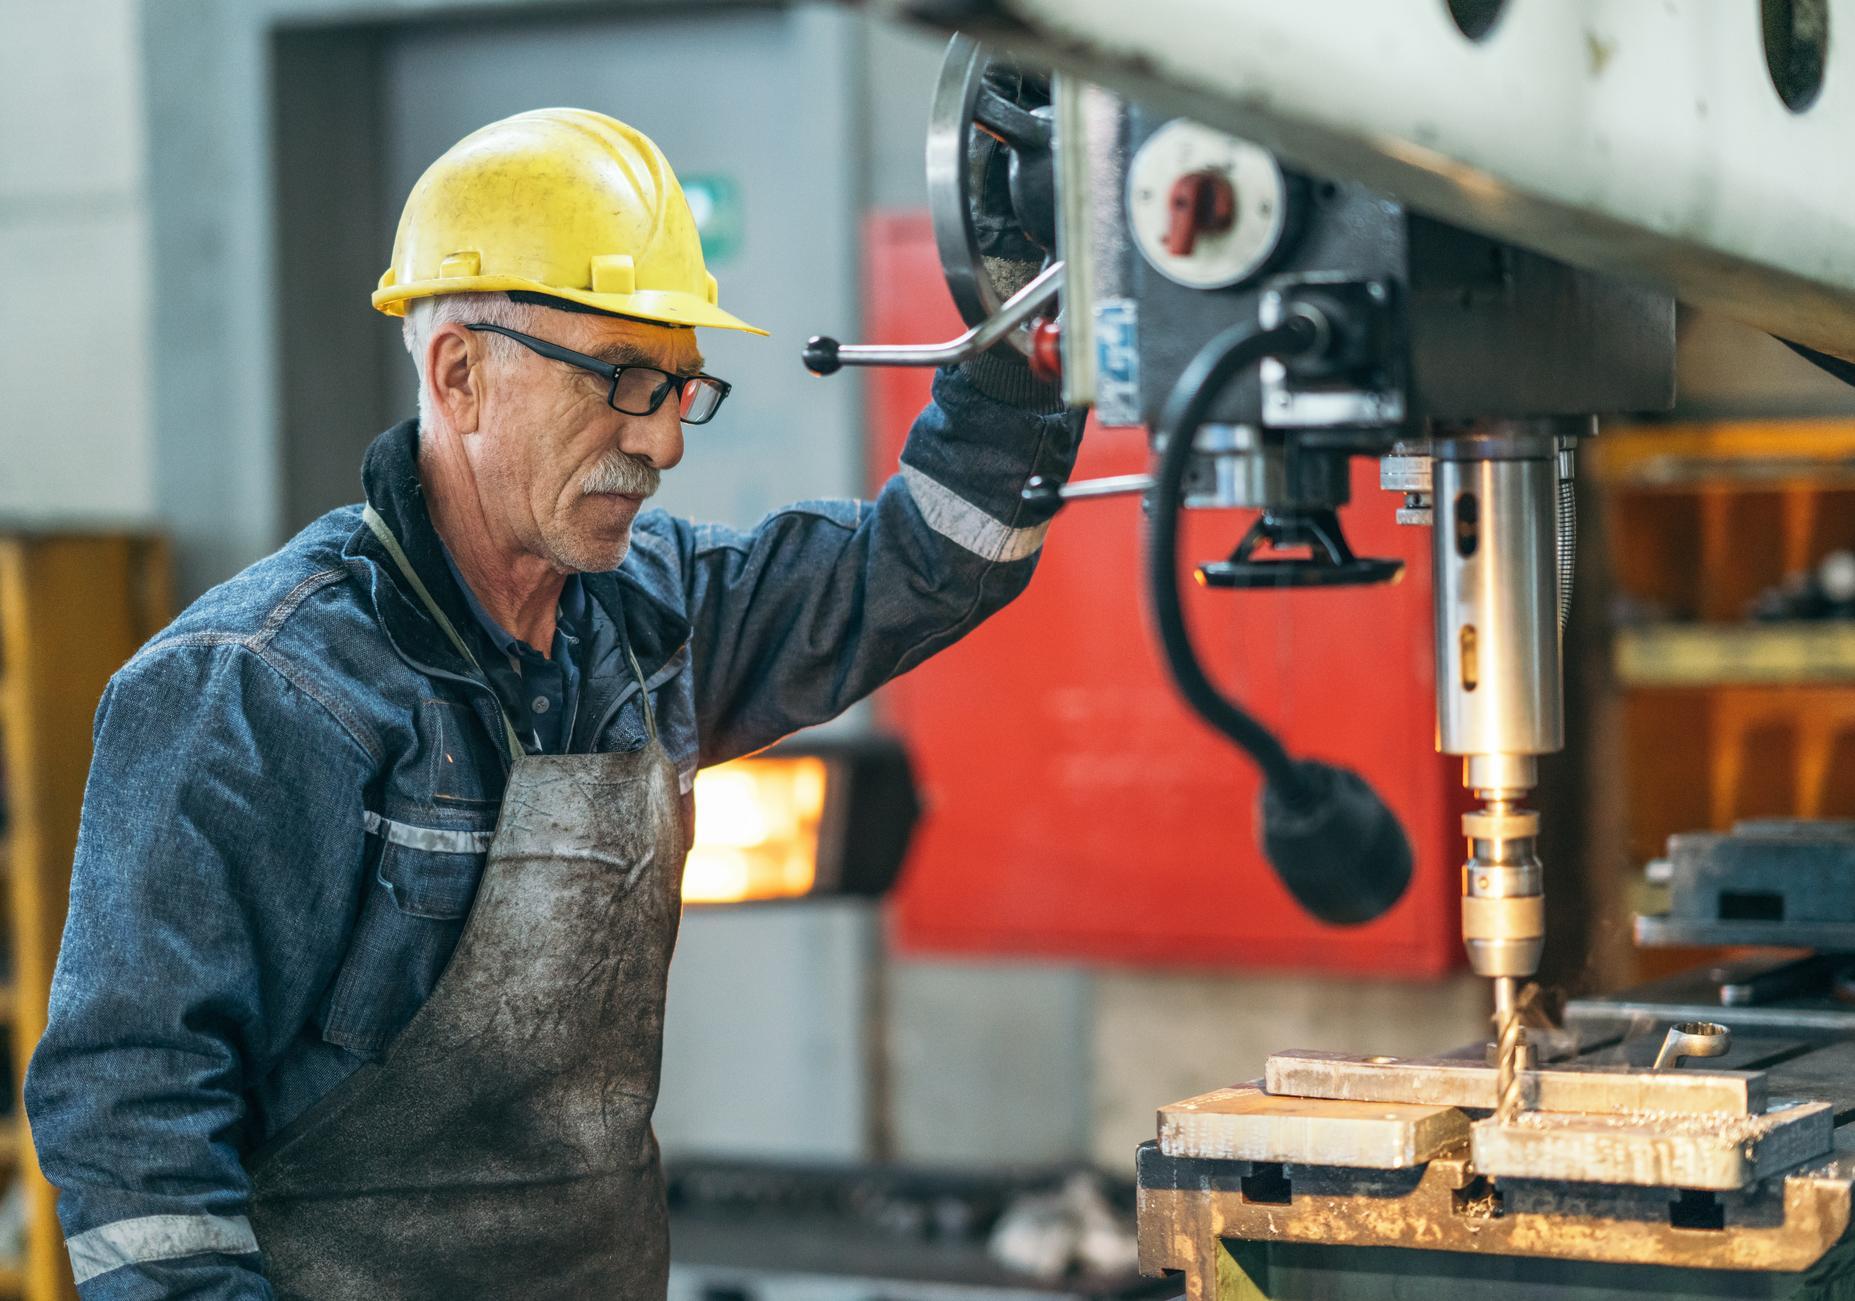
<point x="381" y="531"/>
<point x="644" y="691"/>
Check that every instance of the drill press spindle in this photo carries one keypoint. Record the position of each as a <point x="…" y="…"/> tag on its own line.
<point x="1499" y="691"/>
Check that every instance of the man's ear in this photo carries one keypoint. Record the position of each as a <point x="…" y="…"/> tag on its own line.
<point x="454" y="375"/>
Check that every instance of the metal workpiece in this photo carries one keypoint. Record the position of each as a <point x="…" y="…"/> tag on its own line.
<point x="1561" y="1087"/>
<point x="1245" y="1123"/>
<point x="1649" y="1134"/>
<point x="1654" y="1149"/>
<point x="1727" y="1185"/>
<point x="1619" y="1129"/>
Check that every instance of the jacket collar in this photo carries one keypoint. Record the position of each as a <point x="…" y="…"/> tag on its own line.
<point x="390" y="478"/>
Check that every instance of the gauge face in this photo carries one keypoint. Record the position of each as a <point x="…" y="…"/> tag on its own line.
<point x="1207" y="210"/>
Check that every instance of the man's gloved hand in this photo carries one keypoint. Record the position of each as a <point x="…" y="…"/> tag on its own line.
<point x="1006" y="240"/>
<point x="1011" y="254"/>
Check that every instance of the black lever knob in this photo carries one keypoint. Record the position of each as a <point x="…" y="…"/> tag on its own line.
<point x="820" y="355"/>
<point x="1041" y="490"/>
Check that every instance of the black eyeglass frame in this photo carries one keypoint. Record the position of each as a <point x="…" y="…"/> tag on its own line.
<point x="613" y="372"/>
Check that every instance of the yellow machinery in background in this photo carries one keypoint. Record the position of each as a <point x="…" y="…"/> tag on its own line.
<point x="73" y="607"/>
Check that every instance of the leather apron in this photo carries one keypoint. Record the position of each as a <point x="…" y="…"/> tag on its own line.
<point x="503" y="1146"/>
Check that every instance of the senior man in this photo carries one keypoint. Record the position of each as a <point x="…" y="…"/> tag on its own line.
<point x="379" y="873"/>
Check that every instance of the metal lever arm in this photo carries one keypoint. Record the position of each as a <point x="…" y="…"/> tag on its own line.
<point x="1040" y="491"/>
<point x="824" y="356"/>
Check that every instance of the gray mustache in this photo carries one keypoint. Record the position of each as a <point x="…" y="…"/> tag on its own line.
<point x="620" y="472"/>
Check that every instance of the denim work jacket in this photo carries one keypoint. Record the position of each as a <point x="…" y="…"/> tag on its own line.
<point x="294" y="786"/>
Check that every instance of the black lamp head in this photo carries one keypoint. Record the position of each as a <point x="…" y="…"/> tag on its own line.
<point x="1335" y="845"/>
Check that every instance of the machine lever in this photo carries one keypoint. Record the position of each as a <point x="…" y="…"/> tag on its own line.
<point x="825" y="356"/>
<point x="1044" y="492"/>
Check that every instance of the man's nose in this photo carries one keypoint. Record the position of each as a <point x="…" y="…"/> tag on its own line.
<point x="656" y="438"/>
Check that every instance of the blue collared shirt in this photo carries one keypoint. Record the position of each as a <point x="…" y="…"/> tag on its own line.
<point x="539" y="692"/>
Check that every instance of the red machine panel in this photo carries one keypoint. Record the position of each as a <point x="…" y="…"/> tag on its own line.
<point x="1075" y="807"/>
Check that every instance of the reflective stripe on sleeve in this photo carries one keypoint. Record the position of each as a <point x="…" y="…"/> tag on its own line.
<point x="961" y="522"/>
<point x="433" y="839"/>
<point x="157" y="1237"/>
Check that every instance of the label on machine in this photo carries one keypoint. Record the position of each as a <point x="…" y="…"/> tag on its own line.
<point x="1117" y="363"/>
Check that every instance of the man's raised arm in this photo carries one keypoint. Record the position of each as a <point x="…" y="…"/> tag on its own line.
<point x="823" y="602"/>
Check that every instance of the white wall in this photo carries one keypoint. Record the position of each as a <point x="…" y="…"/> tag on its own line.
<point x="74" y="354"/>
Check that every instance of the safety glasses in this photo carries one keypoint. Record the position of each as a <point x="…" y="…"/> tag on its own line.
<point x="636" y="390"/>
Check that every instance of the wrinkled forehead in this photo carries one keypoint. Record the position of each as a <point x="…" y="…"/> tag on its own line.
<point x="626" y="342"/>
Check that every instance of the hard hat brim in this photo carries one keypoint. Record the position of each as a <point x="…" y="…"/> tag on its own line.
<point x="664" y="307"/>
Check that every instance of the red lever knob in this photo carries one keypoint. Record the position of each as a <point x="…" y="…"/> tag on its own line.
<point x="1046" y="349"/>
<point x="1203" y="203"/>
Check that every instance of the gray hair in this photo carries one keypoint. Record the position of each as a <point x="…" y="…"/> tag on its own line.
<point x="425" y="315"/>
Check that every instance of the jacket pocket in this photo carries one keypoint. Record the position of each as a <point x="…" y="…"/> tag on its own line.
<point x="417" y="900"/>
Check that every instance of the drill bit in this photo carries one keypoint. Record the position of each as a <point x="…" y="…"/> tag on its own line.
<point x="1512" y="1004"/>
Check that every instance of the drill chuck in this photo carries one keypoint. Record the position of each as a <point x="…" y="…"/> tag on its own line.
<point x="1503" y="902"/>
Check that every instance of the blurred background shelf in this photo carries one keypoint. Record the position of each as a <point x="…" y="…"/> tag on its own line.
<point x="1702" y="655"/>
<point x="1725" y="594"/>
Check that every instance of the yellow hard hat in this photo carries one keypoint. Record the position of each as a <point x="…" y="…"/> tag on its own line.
<point x="562" y="202"/>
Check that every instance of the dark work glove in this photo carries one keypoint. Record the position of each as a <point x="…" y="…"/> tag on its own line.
<point x="1001" y="229"/>
<point x="1012" y="255"/>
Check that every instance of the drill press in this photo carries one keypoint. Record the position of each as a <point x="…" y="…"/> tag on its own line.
<point x="1625" y="1174"/>
<point x="1184" y="252"/>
